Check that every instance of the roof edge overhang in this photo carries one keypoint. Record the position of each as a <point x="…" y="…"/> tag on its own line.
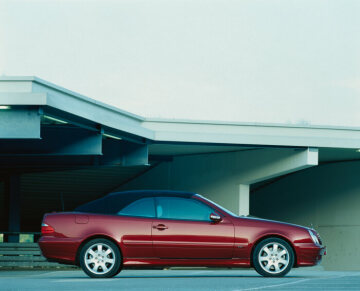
<point x="35" y="91"/>
<point x="26" y="91"/>
<point x="253" y="133"/>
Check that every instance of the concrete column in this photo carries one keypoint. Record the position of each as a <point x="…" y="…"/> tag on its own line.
<point x="244" y="199"/>
<point x="12" y="192"/>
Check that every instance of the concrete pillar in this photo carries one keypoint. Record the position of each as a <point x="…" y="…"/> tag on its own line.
<point x="244" y="199"/>
<point x="12" y="193"/>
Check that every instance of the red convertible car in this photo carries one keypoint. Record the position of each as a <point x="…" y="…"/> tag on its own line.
<point x="155" y="229"/>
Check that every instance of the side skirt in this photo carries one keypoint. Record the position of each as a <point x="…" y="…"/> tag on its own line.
<point x="155" y="262"/>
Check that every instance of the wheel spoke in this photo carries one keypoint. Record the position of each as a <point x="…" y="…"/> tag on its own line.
<point x="99" y="248"/>
<point x="277" y="269"/>
<point x="91" y="252"/>
<point x="264" y="259"/>
<point x="282" y="261"/>
<point x="108" y="260"/>
<point x="96" y="267"/>
<point x="107" y="252"/>
<point x="283" y="252"/>
<point x="266" y="250"/>
<point x="103" y="267"/>
<point x="275" y="248"/>
<point x="89" y="261"/>
<point x="267" y="267"/>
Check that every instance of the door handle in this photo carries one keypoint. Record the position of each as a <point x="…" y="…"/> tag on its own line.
<point x="160" y="227"/>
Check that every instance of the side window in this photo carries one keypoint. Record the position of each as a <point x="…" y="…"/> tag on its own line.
<point x="144" y="207"/>
<point x="182" y="208"/>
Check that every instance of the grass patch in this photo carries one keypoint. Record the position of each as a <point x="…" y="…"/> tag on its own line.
<point x="26" y="238"/>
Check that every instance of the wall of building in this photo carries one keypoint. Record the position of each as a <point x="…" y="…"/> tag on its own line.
<point x="326" y="197"/>
<point x="195" y="174"/>
<point x="218" y="175"/>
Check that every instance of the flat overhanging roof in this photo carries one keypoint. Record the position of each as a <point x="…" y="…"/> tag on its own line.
<point x="77" y="109"/>
<point x="253" y="133"/>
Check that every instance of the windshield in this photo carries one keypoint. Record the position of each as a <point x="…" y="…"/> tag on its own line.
<point x="217" y="205"/>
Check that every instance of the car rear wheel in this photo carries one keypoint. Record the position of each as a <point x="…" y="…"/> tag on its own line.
<point x="273" y="257"/>
<point x="100" y="258"/>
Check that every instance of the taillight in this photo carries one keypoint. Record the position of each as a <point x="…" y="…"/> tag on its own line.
<point x="46" y="229"/>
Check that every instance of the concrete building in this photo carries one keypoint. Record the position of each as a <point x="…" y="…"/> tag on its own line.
<point x="59" y="149"/>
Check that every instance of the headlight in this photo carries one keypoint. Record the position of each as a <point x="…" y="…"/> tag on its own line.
<point x="314" y="237"/>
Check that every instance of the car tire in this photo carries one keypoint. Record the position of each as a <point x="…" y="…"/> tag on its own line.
<point x="273" y="257"/>
<point x="100" y="258"/>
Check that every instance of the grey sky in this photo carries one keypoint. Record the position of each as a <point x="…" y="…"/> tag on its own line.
<point x="263" y="61"/>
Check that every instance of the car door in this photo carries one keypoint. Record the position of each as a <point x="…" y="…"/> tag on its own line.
<point x="183" y="230"/>
<point x="135" y="224"/>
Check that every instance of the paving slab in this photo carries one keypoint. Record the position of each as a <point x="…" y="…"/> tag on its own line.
<point x="168" y="280"/>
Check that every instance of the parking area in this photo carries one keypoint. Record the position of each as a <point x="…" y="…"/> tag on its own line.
<point x="163" y="280"/>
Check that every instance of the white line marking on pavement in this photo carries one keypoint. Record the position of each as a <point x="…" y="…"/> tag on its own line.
<point x="273" y="286"/>
<point x="293" y="283"/>
<point x="42" y="274"/>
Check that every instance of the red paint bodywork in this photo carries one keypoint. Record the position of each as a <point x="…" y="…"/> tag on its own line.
<point x="146" y="242"/>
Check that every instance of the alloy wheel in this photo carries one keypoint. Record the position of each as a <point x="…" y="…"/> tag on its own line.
<point x="274" y="258"/>
<point x="99" y="258"/>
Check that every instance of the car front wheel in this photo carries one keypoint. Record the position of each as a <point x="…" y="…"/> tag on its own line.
<point x="100" y="258"/>
<point x="273" y="257"/>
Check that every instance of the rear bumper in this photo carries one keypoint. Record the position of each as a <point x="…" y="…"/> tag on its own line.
<point x="309" y="254"/>
<point x="62" y="250"/>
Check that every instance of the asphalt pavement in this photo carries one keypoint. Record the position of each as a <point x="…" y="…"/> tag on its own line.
<point x="166" y="280"/>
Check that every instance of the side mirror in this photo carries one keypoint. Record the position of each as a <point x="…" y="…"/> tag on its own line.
<point x="215" y="217"/>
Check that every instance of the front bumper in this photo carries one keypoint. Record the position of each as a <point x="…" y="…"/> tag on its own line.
<point x="309" y="254"/>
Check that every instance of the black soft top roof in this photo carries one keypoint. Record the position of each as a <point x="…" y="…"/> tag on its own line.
<point x="153" y="193"/>
<point x="113" y="202"/>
